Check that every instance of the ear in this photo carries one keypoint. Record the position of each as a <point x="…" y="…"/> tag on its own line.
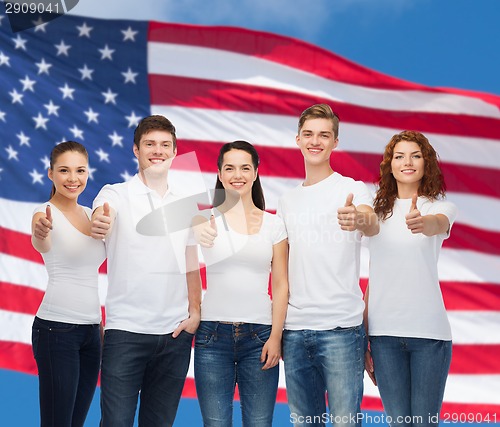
<point x="256" y="174"/>
<point x="336" y="143"/>
<point x="50" y="174"/>
<point x="174" y="151"/>
<point x="297" y="139"/>
<point x="135" y="149"/>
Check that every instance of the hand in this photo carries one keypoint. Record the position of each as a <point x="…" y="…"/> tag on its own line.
<point x="208" y="234"/>
<point x="348" y="215"/>
<point x="370" y="370"/>
<point x="414" y="220"/>
<point x="101" y="223"/>
<point x="44" y="225"/>
<point x="189" y="325"/>
<point x="271" y="353"/>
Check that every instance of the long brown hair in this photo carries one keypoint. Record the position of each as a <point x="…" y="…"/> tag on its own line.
<point x="432" y="185"/>
<point x="62" y="148"/>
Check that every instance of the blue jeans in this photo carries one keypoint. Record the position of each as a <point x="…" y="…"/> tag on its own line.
<point x="226" y="354"/>
<point x="411" y="376"/>
<point x="319" y="361"/>
<point x="68" y="358"/>
<point x="155" y="365"/>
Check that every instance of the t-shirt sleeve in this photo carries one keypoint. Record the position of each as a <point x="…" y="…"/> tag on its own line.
<point x="279" y="231"/>
<point x="362" y="195"/>
<point x="445" y="208"/>
<point x="108" y="194"/>
<point x="41" y="208"/>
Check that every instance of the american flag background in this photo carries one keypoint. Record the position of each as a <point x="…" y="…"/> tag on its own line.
<point x="91" y="80"/>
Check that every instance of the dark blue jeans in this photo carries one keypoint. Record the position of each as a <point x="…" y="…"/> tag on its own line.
<point x="226" y="354"/>
<point x="155" y="365"/>
<point x="411" y="375"/>
<point x="68" y="358"/>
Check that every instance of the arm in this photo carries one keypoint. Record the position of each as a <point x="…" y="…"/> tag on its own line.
<point x="102" y="221"/>
<point x="428" y="225"/>
<point x="361" y="218"/>
<point x="368" y="357"/>
<point x="271" y="352"/>
<point x="193" y="280"/>
<point x="41" y="225"/>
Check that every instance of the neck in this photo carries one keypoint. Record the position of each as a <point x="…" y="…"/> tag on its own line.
<point x="406" y="191"/>
<point x="63" y="203"/>
<point x="156" y="182"/>
<point x="317" y="173"/>
<point x="245" y="205"/>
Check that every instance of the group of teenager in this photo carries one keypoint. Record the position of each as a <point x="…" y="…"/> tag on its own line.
<point x="313" y="315"/>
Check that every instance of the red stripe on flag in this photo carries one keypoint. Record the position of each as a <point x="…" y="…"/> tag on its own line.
<point x="217" y="95"/>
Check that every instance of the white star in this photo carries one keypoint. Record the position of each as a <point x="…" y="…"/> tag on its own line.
<point x="40" y="121"/>
<point x="67" y="91"/>
<point x="4" y="59"/>
<point x="63" y="139"/>
<point x="86" y="72"/>
<point x="133" y="120"/>
<point x="84" y="30"/>
<point x="109" y="97"/>
<point x="77" y="133"/>
<point x="130" y="76"/>
<point x="126" y="176"/>
<point x="52" y="108"/>
<point x="103" y="156"/>
<point x="20" y="42"/>
<point x="23" y="139"/>
<point x="12" y="153"/>
<point x="40" y="25"/>
<point x="106" y="53"/>
<point x="16" y="96"/>
<point x="46" y="162"/>
<point x="91" y="172"/>
<point x="91" y="115"/>
<point x="128" y="34"/>
<point x="27" y="84"/>
<point x="43" y="67"/>
<point x="2" y="116"/>
<point x="62" y="48"/>
<point x="116" y="139"/>
<point x="37" y="177"/>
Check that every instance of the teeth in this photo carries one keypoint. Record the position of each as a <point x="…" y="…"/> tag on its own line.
<point x="157" y="161"/>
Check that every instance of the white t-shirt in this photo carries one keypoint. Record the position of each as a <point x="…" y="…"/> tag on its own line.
<point x="72" y="265"/>
<point x="147" y="291"/>
<point x="324" y="260"/>
<point x="238" y="267"/>
<point x="405" y="297"/>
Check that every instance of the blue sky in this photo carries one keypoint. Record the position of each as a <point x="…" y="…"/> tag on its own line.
<point x="448" y="43"/>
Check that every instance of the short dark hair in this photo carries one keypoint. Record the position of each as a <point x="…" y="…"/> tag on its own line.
<point x="155" y="122"/>
<point x="320" y="111"/>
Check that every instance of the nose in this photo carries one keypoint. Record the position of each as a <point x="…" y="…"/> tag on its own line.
<point x="72" y="177"/>
<point x="408" y="161"/>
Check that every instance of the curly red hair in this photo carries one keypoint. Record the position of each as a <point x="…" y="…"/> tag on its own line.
<point x="432" y="185"/>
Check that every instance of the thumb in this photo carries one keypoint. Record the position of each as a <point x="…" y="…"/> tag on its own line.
<point x="105" y="209"/>
<point x="212" y="223"/>
<point x="413" y="202"/>
<point x="348" y="201"/>
<point x="48" y="213"/>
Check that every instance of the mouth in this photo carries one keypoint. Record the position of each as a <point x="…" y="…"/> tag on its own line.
<point x="72" y="187"/>
<point x="408" y="171"/>
<point x="315" y="150"/>
<point x="157" y="160"/>
<point x="237" y="185"/>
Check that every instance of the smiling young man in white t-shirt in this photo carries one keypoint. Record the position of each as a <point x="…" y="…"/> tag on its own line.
<point x="324" y="338"/>
<point x="152" y="305"/>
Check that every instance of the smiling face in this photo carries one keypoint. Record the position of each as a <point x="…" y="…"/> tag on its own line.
<point x="155" y="148"/>
<point x="237" y="172"/>
<point x="69" y="173"/>
<point x="316" y="141"/>
<point x="407" y="165"/>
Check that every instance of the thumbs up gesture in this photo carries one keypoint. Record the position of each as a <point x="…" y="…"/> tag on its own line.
<point x="101" y="222"/>
<point x="348" y="214"/>
<point x="414" y="220"/>
<point x="44" y="224"/>
<point x="208" y="233"/>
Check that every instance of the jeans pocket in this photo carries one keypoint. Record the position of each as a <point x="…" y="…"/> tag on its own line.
<point x="204" y="337"/>
<point x="49" y="325"/>
<point x="262" y="333"/>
